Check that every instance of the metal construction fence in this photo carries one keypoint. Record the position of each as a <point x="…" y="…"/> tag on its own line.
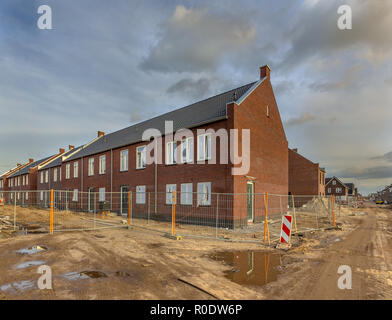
<point x="243" y="217"/>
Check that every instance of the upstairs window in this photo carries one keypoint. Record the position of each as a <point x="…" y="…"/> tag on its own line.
<point x="187" y="150"/>
<point x="171" y="152"/>
<point x="141" y="157"/>
<point x="334" y="183"/>
<point x="91" y="166"/>
<point x="124" y="160"/>
<point x="102" y="164"/>
<point x="67" y="170"/>
<point x="55" y="174"/>
<point x="46" y="176"/>
<point x="76" y="169"/>
<point x="204" y="147"/>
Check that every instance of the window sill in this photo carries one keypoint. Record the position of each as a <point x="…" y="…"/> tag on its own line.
<point x="141" y="168"/>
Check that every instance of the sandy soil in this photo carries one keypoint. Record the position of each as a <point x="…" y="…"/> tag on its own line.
<point x="141" y="264"/>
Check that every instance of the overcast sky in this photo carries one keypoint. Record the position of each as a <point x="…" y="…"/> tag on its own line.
<point x="108" y="64"/>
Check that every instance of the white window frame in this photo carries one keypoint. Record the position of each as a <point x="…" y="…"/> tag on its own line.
<point x="27" y="179"/>
<point x="187" y="193"/>
<point x="75" y="195"/>
<point x="76" y="169"/>
<point x="91" y="166"/>
<point x="171" y="152"/>
<point x="46" y="176"/>
<point x="203" y="197"/>
<point x="338" y="190"/>
<point x="102" y="164"/>
<point x="187" y="147"/>
<point x="55" y="175"/>
<point x="140" y="194"/>
<point x="41" y="196"/>
<point x="67" y="171"/>
<point x="27" y="195"/>
<point x="334" y="182"/>
<point x="124" y="159"/>
<point x="329" y="190"/>
<point x="141" y="157"/>
<point x="23" y="181"/>
<point x="102" y="193"/>
<point x="169" y="190"/>
<point x="204" y="147"/>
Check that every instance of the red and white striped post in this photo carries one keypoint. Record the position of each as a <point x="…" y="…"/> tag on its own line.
<point x="285" y="233"/>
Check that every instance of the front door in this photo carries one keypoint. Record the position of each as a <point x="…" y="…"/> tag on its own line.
<point x="90" y="199"/>
<point x="124" y="200"/>
<point x="250" y="198"/>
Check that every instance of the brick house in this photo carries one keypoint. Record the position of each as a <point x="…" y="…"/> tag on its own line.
<point x="50" y="177"/>
<point x="4" y="184"/>
<point x="306" y="178"/>
<point x="386" y="194"/>
<point x="338" y="188"/>
<point x="116" y="162"/>
<point x="24" y="182"/>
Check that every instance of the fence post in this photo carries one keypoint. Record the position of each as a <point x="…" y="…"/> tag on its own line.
<point x="174" y="213"/>
<point x="95" y="208"/>
<point x="333" y="210"/>
<point x="129" y="208"/>
<point x="51" y="212"/>
<point x="217" y="215"/>
<point x="149" y="209"/>
<point x="66" y="200"/>
<point x="295" y="216"/>
<point x="15" y="211"/>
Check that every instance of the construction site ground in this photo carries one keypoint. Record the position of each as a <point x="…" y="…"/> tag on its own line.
<point x="136" y="263"/>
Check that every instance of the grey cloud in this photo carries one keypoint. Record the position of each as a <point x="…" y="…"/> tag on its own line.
<point x="303" y="118"/>
<point x="387" y="157"/>
<point x="194" y="40"/>
<point x="377" y="172"/>
<point x="194" y="88"/>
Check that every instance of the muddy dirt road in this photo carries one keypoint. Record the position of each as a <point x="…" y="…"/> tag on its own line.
<point x="138" y="264"/>
<point x="366" y="247"/>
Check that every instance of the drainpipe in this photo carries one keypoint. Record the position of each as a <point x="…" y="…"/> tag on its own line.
<point x="81" y="187"/>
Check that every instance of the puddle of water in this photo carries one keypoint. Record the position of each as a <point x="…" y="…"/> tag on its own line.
<point x="29" y="264"/>
<point x="21" y="285"/>
<point x="250" y="267"/>
<point x="32" y="250"/>
<point x="84" y="275"/>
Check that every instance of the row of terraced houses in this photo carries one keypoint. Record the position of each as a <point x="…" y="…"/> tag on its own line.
<point x="116" y="162"/>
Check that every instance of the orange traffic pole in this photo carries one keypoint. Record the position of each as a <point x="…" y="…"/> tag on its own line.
<point x="266" y="229"/>
<point x="174" y="213"/>
<point x="51" y="212"/>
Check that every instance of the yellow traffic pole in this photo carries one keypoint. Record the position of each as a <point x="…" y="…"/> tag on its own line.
<point x="51" y="212"/>
<point x="174" y="213"/>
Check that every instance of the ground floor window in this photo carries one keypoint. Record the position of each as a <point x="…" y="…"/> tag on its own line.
<point x="204" y="193"/>
<point x="169" y="193"/>
<point x="75" y="195"/>
<point x="186" y="193"/>
<point x="140" y="194"/>
<point x="101" y="194"/>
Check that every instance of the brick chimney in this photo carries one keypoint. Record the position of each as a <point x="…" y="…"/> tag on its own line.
<point x="295" y="150"/>
<point x="61" y="150"/>
<point x="31" y="160"/>
<point x="265" y="72"/>
<point x="101" y="133"/>
<point x="70" y="147"/>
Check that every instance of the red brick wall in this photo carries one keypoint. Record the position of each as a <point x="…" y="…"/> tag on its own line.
<point x="268" y="145"/>
<point x="304" y="175"/>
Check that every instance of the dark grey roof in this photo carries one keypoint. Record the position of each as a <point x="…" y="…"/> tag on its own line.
<point x="205" y="111"/>
<point x="327" y="180"/>
<point x="27" y="168"/>
<point x="57" y="162"/>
